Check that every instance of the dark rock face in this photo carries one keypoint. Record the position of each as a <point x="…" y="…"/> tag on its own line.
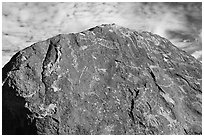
<point x="106" y="80"/>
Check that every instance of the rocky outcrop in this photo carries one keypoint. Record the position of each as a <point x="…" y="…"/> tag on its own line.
<point x="105" y="80"/>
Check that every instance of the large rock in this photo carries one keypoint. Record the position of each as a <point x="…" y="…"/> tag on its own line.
<point x="106" y="80"/>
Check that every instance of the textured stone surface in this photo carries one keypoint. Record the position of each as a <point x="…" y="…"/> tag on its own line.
<point x="106" y="80"/>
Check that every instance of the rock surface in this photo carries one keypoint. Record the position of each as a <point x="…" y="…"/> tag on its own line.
<point x="105" y="80"/>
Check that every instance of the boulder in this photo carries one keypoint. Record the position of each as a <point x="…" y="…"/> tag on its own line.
<point x="105" y="80"/>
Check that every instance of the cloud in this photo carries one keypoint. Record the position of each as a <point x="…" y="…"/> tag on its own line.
<point x="197" y="54"/>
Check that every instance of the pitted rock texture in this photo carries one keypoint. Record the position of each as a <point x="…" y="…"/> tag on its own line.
<point x="105" y="80"/>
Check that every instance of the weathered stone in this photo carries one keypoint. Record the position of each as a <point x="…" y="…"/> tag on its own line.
<point x="106" y="80"/>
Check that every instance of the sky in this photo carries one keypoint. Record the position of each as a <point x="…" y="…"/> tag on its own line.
<point x="26" y="23"/>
